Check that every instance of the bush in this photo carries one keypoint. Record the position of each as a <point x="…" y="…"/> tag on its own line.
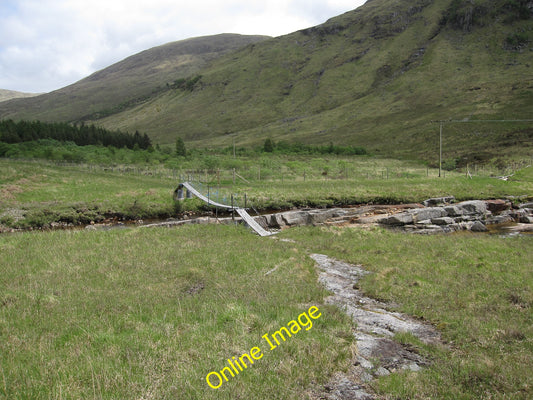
<point x="517" y="40"/>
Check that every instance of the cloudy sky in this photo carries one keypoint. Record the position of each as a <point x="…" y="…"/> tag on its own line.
<point x="48" y="44"/>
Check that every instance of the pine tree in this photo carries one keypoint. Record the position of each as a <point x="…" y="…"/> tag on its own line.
<point x="180" y="147"/>
<point x="268" y="147"/>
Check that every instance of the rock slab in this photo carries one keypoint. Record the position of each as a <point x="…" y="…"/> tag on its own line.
<point x="375" y="326"/>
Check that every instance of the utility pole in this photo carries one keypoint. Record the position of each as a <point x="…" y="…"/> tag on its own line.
<point x="440" y="150"/>
<point x="469" y="121"/>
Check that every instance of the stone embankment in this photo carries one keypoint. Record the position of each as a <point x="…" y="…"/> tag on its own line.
<point x="443" y="215"/>
<point x="438" y="215"/>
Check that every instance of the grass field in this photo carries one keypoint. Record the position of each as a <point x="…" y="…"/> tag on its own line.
<point x="38" y="193"/>
<point x="148" y="313"/>
<point x="477" y="291"/>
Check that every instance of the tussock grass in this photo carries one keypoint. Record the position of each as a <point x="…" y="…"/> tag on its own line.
<point x="476" y="289"/>
<point x="149" y="313"/>
<point x="35" y="194"/>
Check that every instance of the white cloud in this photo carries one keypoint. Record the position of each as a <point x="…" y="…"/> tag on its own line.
<point x="48" y="44"/>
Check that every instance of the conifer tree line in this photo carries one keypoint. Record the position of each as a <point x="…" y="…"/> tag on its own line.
<point x="84" y="135"/>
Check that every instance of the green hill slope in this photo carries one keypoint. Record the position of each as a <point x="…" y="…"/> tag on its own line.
<point x="127" y="82"/>
<point x="375" y="77"/>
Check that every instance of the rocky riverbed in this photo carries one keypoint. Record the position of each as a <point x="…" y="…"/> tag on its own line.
<point x="437" y="215"/>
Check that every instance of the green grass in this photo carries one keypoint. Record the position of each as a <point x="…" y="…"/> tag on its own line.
<point x="36" y="194"/>
<point x="149" y="313"/>
<point x="477" y="291"/>
<point x="48" y="193"/>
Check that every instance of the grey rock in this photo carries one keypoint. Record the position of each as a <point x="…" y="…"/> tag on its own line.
<point x="478" y="226"/>
<point x="422" y="214"/>
<point x="276" y="221"/>
<point x="382" y="372"/>
<point x="316" y="217"/>
<point x="295" y="218"/>
<point x="262" y="221"/>
<point x="443" y="221"/>
<point x="413" y="367"/>
<point x="499" y="219"/>
<point x="526" y="219"/>
<point x="363" y="362"/>
<point x="437" y="201"/>
<point x="398" y="219"/>
<point x="453" y="211"/>
<point x="473" y="207"/>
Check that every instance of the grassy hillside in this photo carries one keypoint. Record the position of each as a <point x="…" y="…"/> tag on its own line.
<point x="374" y="77"/>
<point x="127" y="82"/>
<point x="11" y="94"/>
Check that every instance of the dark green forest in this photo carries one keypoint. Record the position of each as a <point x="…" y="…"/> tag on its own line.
<point x="85" y="135"/>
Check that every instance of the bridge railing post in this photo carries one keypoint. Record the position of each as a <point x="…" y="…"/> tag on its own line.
<point x="232" y="209"/>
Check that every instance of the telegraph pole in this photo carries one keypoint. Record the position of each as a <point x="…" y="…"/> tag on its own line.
<point x="440" y="150"/>
<point x="454" y="121"/>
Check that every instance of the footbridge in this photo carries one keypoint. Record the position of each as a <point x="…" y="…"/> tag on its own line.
<point x="189" y="190"/>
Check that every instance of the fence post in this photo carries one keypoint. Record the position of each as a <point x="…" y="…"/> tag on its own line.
<point x="232" y="210"/>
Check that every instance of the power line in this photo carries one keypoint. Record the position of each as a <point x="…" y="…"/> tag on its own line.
<point x="456" y="121"/>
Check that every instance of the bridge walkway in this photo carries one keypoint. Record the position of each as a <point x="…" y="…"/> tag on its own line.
<point x="250" y="221"/>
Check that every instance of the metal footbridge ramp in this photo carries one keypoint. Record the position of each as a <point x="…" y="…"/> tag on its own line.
<point x="247" y="218"/>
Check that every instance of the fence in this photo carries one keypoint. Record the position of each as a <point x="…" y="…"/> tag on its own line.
<point x="320" y="170"/>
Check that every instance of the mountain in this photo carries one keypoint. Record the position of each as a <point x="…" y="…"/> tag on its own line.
<point x="11" y="94"/>
<point x="127" y="82"/>
<point x="376" y="77"/>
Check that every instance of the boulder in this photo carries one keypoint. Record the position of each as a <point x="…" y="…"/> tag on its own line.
<point x="500" y="219"/>
<point x="275" y="221"/>
<point x="453" y="211"/>
<point x="262" y="221"/>
<point x="295" y="218"/>
<point x="526" y="219"/>
<point x="443" y="221"/>
<point x="497" y="206"/>
<point x="316" y="217"/>
<point x="398" y="219"/>
<point x="422" y="214"/>
<point x="478" y="226"/>
<point x="438" y="201"/>
<point x="473" y="207"/>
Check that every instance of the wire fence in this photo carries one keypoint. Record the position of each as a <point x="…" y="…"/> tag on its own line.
<point x="256" y="173"/>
